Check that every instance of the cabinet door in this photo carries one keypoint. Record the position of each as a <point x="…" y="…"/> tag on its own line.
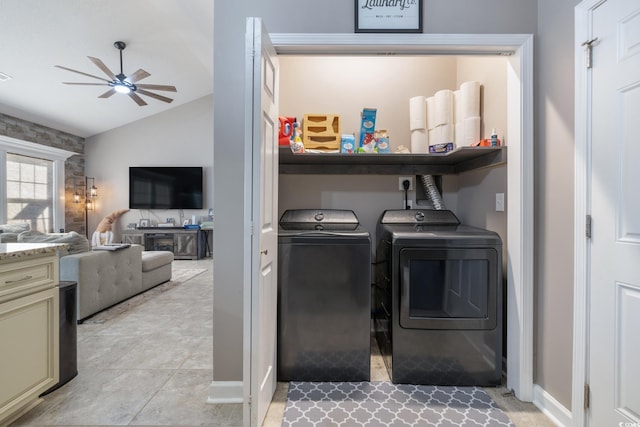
<point x="29" y="350"/>
<point x="185" y="245"/>
<point x="133" y="239"/>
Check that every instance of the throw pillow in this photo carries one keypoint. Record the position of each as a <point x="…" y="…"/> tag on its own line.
<point x="16" y="227"/>
<point x="77" y="242"/>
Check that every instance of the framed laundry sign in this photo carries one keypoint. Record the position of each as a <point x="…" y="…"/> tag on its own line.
<point x="388" y="16"/>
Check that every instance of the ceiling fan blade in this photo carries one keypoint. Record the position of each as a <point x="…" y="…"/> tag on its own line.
<point x="137" y="99"/>
<point x="80" y="72"/>
<point x="159" y="87"/>
<point x="154" y="95"/>
<point x="103" y="67"/>
<point x="138" y="75"/>
<point x="108" y="93"/>
<point x="85" y="84"/>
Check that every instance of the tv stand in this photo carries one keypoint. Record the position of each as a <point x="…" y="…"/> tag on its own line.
<point x="192" y="243"/>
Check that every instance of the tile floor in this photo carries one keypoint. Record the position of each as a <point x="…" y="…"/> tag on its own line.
<point x="152" y="365"/>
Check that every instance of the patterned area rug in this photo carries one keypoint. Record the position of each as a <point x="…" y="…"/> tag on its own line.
<point x="378" y="404"/>
<point x="178" y="276"/>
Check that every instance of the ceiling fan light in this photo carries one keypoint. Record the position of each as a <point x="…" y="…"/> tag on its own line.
<point x="121" y="88"/>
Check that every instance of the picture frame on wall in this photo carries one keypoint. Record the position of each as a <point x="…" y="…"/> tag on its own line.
<point x="388" y="16"/>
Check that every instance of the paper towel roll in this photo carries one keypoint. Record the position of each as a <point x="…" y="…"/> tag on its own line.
<point x="469" y="100"/>
<point x="417" y="113"/>
<point x="471" y="130"/>
<point x="419" y="141"/>
<point x="431" y="111"/>
<point x="434" y="136"/>
<point x="443" y="107"/>
<point x="459" y="134"/>
<point x="446" y="133"/>
<point x="457" y="107"/>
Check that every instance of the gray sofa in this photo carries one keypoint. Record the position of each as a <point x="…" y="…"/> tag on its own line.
<point x="104" y="278"/>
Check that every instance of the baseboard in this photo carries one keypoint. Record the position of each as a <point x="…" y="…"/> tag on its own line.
<point x="549" y="406"/>
<point x="225" y="392"/>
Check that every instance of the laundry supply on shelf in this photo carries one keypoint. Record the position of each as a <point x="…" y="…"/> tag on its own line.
<point x="285" y="130"/>
<point x="382" y="141"/>
<point x="348" y="144"/>
<point x="297" y="146"/>
<point x="367" y="127"/>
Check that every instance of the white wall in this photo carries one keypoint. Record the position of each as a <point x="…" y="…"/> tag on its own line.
<point x="554" y="182"/>
<point x="178" y="137"/>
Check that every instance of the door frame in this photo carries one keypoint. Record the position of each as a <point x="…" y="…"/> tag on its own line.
<point x="518" y="48"/>
<point x="582" y="207"/>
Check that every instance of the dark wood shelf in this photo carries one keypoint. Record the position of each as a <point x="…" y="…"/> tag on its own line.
<point x="459" y="160"/>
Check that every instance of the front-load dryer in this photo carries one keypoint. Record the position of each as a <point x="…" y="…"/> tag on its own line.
<point x="438" y="299"/>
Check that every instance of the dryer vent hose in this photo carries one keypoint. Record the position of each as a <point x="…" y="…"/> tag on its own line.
<point x="432" y="192"/>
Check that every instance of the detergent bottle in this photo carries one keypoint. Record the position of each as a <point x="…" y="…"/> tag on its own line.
<point x="285" y="130"/>
<point x="296" y="144"/>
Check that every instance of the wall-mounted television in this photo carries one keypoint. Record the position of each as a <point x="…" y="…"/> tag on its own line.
<point x="152" y="187"/>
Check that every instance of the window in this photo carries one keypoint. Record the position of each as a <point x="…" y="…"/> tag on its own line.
<point x="32" y="184"/>
<point x="30" y="191"/>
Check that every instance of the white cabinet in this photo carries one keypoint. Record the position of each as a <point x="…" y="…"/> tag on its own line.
<point x="29" y="330"/>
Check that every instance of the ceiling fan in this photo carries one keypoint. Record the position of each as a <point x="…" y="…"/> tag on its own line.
<point x="121" y="83"/>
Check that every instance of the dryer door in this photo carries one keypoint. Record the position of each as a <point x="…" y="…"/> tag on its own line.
<point x="449" y="288"/>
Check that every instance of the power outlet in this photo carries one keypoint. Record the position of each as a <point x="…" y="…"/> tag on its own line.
<point x="402" y="179"/>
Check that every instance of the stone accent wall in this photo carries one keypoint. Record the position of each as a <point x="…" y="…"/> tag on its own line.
<point x="74" y="166"/>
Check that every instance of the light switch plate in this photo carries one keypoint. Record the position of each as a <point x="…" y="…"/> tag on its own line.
<point x="499" y="202"/>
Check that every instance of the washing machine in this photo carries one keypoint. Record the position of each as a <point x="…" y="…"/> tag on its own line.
<point x="438" y="299"/>
<point x="324" y="296"/>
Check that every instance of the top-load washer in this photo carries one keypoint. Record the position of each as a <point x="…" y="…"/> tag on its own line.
<point x="324" y="296"/>
<point x="438" y="299"/>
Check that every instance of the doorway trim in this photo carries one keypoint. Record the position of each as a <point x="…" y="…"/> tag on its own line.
<point x="520" y="237"/>
<point x="582" y="190"/>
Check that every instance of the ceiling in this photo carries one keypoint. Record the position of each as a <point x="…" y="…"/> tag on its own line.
<point x="170" y="39"/>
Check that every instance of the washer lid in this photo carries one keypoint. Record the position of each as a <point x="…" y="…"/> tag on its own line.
<point x="419" y="216"/>
<point x="326" y="217"/>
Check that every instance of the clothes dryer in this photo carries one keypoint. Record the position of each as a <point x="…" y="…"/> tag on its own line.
<point x="438" y="299"/>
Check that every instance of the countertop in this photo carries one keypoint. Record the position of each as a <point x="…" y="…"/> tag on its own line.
<point x="15" y="251"/>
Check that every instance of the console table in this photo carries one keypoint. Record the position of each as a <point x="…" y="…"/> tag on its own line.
<point x="185" y="243"/>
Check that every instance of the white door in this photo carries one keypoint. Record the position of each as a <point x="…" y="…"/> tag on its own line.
<point x="262" y="116"/>
<point x="614" y="300"/>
